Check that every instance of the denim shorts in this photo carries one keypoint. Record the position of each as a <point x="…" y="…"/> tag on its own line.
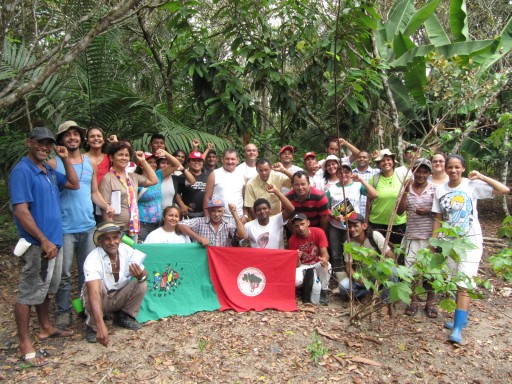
<point x="39" y="276"/>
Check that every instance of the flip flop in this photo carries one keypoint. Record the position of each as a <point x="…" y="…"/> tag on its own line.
<point x="28" y="359"/>
<point x="58" y="333"/>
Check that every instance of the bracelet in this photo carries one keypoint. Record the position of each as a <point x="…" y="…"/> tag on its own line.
<point x="245" y="216"/>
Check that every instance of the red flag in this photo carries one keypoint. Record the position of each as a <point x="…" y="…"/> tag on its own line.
<point x="253" y="279"/>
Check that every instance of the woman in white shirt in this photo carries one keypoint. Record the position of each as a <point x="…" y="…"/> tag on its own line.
<point x="168" y="233"/>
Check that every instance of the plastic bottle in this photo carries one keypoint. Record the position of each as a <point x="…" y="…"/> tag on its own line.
<point x="315" y="291"/>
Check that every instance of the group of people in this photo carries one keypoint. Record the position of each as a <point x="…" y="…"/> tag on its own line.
<point x="79" y="205"/>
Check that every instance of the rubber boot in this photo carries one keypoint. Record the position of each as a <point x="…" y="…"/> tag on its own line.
<point x="449" y="324"/>
<point x="461" y="317"/>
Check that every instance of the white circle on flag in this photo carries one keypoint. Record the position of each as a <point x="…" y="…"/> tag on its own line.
<point x="251" y="281"/>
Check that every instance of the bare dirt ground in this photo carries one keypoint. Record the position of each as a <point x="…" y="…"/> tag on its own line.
<point x="275" y="347"/>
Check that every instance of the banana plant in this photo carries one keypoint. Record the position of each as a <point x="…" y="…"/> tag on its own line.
<point x="398" y="44"/>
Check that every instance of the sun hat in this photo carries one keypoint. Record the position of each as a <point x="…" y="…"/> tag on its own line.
<point x="102" y="228"/>
<point x="330" y="158"/>
<point x="67" y="125"/>
<point x="384" y="152"/>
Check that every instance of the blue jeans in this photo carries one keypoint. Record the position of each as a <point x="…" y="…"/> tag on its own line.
<point x="77" y="245"/>
<point x="358" y="289"/>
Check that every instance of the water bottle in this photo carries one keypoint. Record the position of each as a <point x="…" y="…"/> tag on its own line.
<point x="315" y="291"/>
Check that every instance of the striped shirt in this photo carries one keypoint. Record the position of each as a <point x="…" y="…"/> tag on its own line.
<point x="314" y="206"/>
<point x="202" y="226"/>
<point x="420" y="226"/>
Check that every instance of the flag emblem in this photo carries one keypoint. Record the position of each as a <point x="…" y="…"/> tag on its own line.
<point x="251" y="281"/>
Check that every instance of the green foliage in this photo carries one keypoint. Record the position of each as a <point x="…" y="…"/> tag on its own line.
<point x="203" y="343"/>
<point x="452" y="242"/>
<point x="316" y="349"/>
<point x="502" y="262"/>
<point x="381" y="275"/>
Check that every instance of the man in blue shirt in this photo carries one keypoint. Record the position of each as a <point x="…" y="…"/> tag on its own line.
<point x="34" y="189"/>
<point x="78" y="222"/>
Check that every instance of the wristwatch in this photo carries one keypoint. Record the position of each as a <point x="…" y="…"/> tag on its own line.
<point x="143" y="279"/>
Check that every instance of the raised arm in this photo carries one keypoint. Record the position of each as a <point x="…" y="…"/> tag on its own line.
<point x="498" y="188"/>
<point x="371" y="192"/>
<point x="354" y="151"/>
<point x="286" y="204"/>
<point x="152" y="178"/>
<point x="73" y="182"/>
<point x="240" y="229"/>
<point x="175" y="163"/>
<point x="208" y="193"/>
<point x="279" y="167"/>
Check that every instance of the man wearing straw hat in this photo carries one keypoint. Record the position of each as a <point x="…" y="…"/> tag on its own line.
<point x="109" y="287"/>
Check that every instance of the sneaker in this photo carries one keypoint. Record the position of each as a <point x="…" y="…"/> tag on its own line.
<point x="90" y="335"/>
<point x="126" y="321"/>
<point x="324" y="300"/>
<point x="63" y="321"/>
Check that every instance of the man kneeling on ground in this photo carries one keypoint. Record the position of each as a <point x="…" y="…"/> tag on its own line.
<point x="359" y="235"/>
<point x="109" y="288"/>
<point x="311" y="244"/>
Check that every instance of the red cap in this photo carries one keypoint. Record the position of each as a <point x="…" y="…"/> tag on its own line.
<point x="287" y="148"/>
<point x="309" y="154"/>
<point x="195" y="155"/>
<point x="147" y="155"/>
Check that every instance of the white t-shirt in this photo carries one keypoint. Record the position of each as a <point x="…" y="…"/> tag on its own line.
<point x="167" y="192"/>
<point x="269" y="236"/>
<point x="161" y="236"/>
<point x="458" y="206"/>
<point x="247" y="171"/>
<point x="352" y="193"/>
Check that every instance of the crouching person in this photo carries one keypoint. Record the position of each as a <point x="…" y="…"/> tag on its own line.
<point x="311" y="244"/>
<point x="357" y="229"/>
<point x="109" y="287"/>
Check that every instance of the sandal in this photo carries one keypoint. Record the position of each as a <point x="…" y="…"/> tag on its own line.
<point x="411" y="309"/>
<point x="35" y="359"/>
<point x="431" y="310"/>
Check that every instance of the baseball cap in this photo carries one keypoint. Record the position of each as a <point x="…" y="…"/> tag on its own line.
<point x="215" y="203"/>
<point x="299" y="216"/>
<point x="147" y="155"/>
<point x="102" y="228"/>
<point x="287" y="148"/>
<point x="422" y="161"/>
<point x="41" y="133"/>
<point x="309" y="154"/>
<point x="355" y="217"/>
<point x="195" y="155"/>
<point x="411" y="147"/>
<point x="67" y="125"/>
